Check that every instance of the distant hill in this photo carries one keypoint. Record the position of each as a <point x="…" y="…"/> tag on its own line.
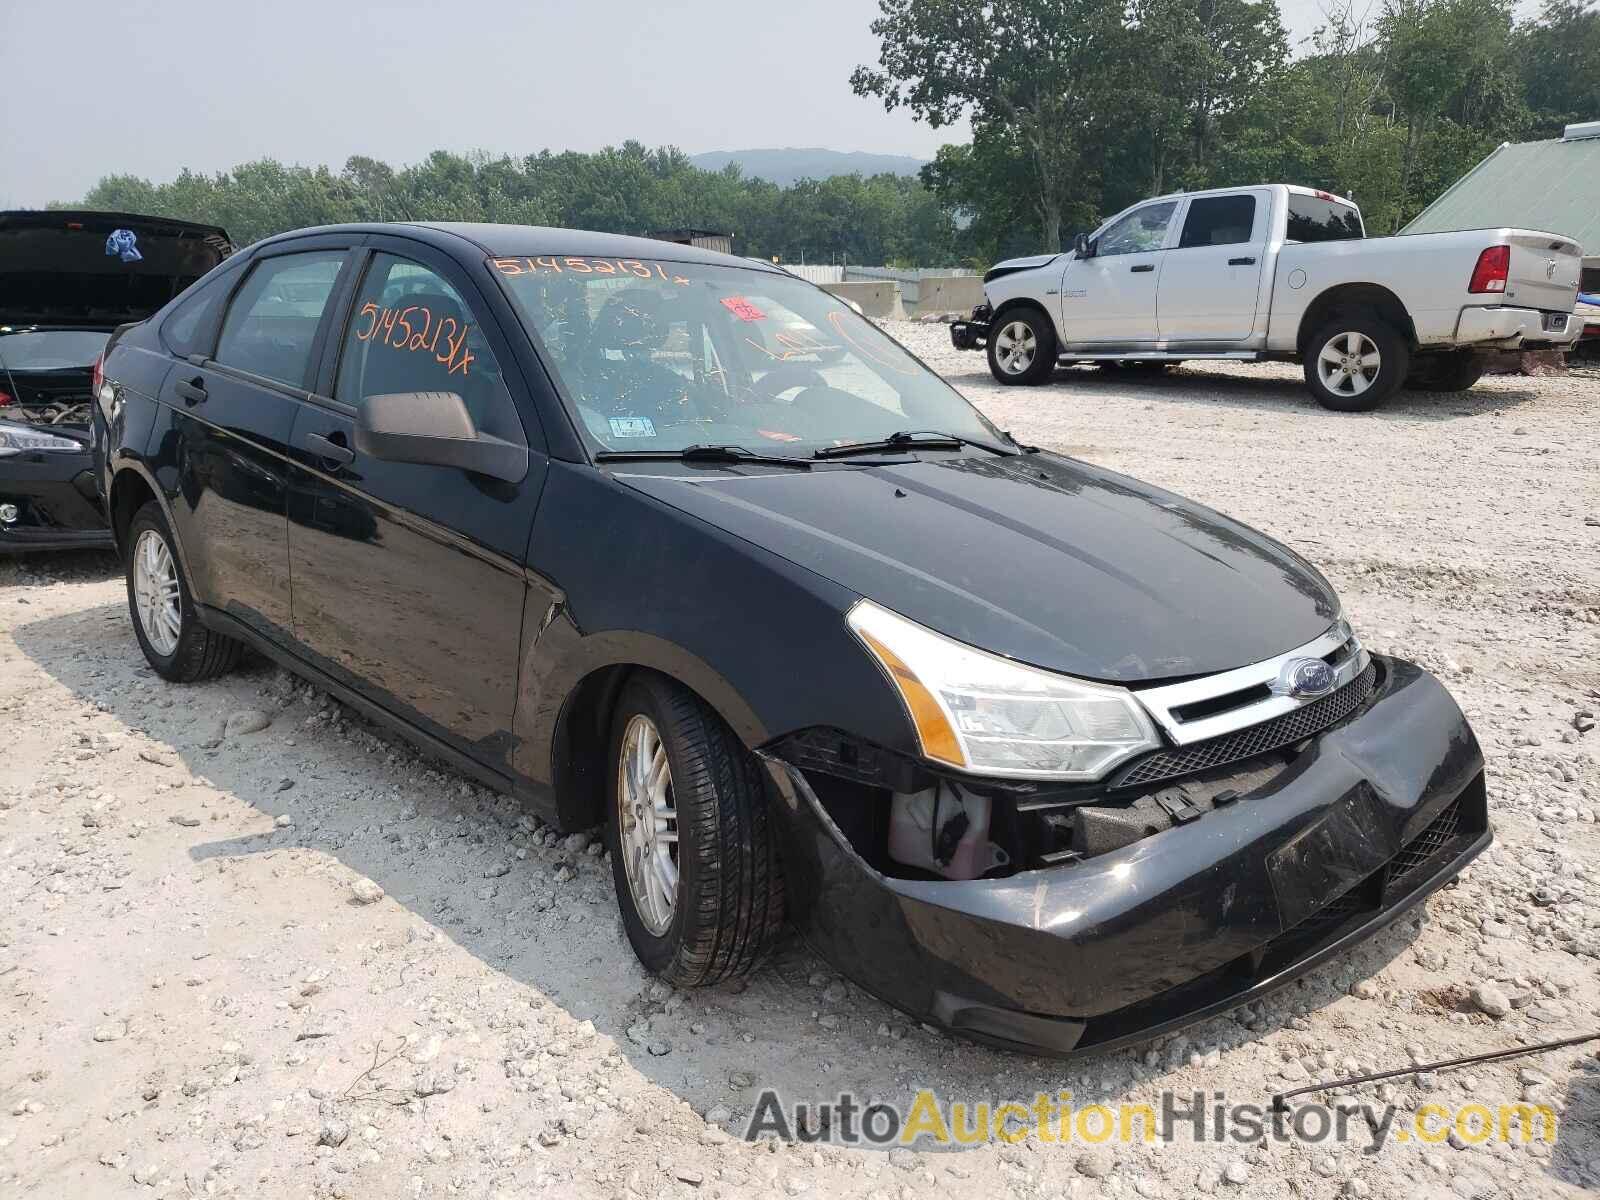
<point x="784" y="167"/>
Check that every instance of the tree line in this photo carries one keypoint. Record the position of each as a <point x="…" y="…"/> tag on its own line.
<point x="625" y="189"/>
<point x="1080" y="107"/>
<point x="1077" y="109"/>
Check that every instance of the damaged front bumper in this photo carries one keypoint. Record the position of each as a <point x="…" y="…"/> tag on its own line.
<point x="1369" y="818"/>
<point x="973" y="333"/>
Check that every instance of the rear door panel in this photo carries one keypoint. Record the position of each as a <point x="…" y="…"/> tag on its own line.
<point x="223" y="455"/>
<point x="1210" y="292"/>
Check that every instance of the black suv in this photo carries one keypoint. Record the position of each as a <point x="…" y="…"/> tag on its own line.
<point x="679" y="544"/>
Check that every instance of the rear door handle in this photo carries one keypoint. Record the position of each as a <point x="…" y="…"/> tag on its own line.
<point x="192" y="390"/>
<point x="1143" y="267"/>
<point x="1241" y="262"/>
<point x="330" y="450"/>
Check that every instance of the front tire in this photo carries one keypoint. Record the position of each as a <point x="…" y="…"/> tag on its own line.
<point x="692" y="852"/>
<point x="1022" y="347"/>
<point x="174" y="641"/>
<point x="1354" y="362"/>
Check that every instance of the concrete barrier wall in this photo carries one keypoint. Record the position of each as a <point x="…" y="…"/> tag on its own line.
<point x="877" y="297"/>
<point x="950" y="293"/>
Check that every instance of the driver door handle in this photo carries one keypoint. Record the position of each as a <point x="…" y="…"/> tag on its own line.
<point x="330" y="450"/>
<point x="1241" y="262"/>
<point x="1143" y="267"/>
<point x="193" y="390"/>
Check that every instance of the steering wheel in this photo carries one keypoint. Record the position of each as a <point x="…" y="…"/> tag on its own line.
<point x="784" y="377"/>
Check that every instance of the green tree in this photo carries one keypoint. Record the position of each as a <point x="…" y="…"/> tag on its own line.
<point x="1038" y="69"/>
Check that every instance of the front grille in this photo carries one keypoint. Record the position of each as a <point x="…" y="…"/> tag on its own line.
<point x="1438" y="834"/>
<point x="1257" y="739"/>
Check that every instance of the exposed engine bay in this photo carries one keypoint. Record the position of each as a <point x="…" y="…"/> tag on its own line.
<point x="937" y="827"/>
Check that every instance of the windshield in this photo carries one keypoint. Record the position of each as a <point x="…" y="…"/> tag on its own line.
<point x="657" y="356"/>
<point x="50" y="349"/>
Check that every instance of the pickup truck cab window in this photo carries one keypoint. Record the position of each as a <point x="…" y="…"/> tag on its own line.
<point x="1321" y="219"/>
<point x="1141" y="231"/>
<point x="1218" y="221"/>
<point x="271" y="325"/>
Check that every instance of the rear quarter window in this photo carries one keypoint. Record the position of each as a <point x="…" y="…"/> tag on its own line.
<point x="1314" y="219"/>
<point x="191" y="326"/>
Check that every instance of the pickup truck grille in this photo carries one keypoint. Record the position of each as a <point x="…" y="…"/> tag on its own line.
<point x="1245" y="743"/>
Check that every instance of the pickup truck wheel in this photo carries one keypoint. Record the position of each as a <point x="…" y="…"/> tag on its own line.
<point x="693" y="855"/>
<point x="164" y="619"/>
<point x="1453" y="372"/>
<point x="1355" y="362"/>
<point x="1022" y="347"/>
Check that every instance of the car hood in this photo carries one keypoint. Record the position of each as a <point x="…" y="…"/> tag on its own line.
<point x="1043" y="559"/>
<point x="60" y="267"/>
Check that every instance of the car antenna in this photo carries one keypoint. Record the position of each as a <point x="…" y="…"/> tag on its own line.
<point x="1280" y="1099"/>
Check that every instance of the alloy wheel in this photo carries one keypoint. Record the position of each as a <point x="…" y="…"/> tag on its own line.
<point x="1015" y="347"/>
<point x="1349" y="363"/>
<point x="648" y="824"/>
<point x="155" y="592"/>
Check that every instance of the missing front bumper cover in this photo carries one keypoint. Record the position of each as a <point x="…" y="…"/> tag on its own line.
<point x="1174" y="927"/>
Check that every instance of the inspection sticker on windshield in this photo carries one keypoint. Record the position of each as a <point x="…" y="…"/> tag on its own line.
<point x="743" y="309"/>
<point x="632" y="427"/>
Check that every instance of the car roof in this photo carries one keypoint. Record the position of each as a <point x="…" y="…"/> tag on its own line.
<point x="512" y="241"/>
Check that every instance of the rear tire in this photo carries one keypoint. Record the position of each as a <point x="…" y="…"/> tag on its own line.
<point x="1453" y="372"/>
<point x="1022" y="347"/>
<point x="174" y="641"/>
<point x="676" y="768"/>
<point x="1355" y="361"/>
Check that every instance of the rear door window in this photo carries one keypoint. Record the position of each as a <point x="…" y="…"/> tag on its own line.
<point x="271" y="326"/>
<point x="1219" y="221"/>
<point x="411" y="331"/>
<point x="1316" y="219"/>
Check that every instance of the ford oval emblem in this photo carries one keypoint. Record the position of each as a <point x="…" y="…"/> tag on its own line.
<point x="1305" y="678"/>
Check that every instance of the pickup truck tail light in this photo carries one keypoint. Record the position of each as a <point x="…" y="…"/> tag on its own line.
<point x="99" y="375"/>
<point x="1490" y="274"/>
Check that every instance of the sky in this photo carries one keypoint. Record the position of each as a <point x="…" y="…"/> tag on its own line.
<point x="148" y="87"/>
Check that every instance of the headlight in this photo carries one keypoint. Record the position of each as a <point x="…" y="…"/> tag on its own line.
<point x="986" y="714"/>
<point x="16" y="439"/>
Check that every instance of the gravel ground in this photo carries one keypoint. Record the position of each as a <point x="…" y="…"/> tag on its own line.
<point x="250" y="946"/>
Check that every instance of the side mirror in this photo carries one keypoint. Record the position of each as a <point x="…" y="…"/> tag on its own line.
<point x="434" y="428"/>
<point x="1082" y="246"/>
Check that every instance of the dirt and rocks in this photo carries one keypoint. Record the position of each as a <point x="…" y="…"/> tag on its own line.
<point x="251" y="946"/>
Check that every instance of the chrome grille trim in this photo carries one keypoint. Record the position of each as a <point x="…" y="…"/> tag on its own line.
<point x="1303" y="722"/>
<point x="1161" y="702"/>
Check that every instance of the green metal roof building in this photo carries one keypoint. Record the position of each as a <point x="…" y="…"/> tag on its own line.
<point x="1553" y="185"/>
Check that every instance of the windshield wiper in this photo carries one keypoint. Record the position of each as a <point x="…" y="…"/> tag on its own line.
<point x="910" y="439"/>
<point x="703" y="453"/>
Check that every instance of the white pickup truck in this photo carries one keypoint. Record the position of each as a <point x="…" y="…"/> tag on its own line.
<point x="1285" y="273"/>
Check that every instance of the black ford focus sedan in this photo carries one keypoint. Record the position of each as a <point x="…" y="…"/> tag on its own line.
<point x="674" y="543"/>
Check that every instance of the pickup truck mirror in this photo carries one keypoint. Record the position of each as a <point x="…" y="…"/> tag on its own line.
<point x="1082" y="246"/>
<point x="435" y="429"/>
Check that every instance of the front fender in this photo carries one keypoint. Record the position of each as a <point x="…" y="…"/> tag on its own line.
<point x="633" y="582"/>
